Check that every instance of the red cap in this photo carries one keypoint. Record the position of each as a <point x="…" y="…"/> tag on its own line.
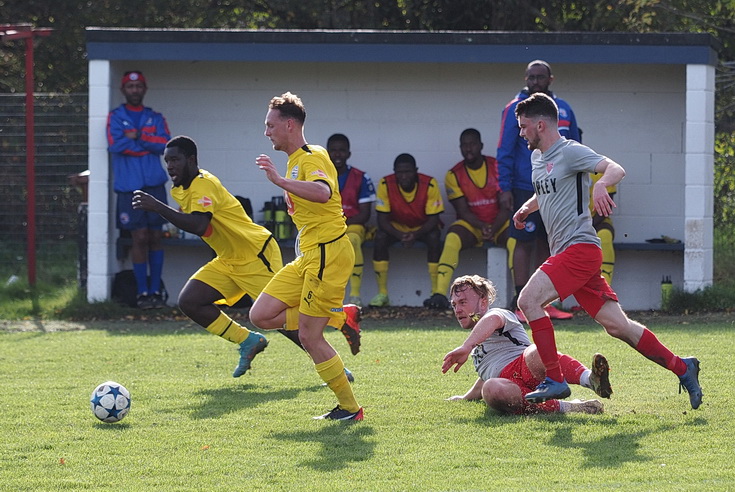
<point x="132" y="76"/>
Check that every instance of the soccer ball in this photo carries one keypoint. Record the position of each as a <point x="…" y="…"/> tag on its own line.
<point x="110" y="401"/>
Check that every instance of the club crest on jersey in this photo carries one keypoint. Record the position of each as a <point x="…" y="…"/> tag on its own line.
<point x="205" y="201"/>
<point x="295" y="172"/>
<point x="549" y="167"/>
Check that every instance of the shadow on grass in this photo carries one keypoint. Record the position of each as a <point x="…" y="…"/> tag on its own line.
<point x="342" y="443"/>
<point x="112" y="426"/>
<point x="612" y="450"/>
<point x="607" y="449"/>
<point x="221" y="401"/>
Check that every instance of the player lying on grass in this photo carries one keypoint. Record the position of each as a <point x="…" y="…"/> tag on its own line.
<point x="507" y="364"/>
<point x="247" y="254"/>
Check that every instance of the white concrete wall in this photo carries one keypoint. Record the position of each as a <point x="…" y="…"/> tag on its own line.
<point x="700" y="140"/>
<point x="634" y="114"/>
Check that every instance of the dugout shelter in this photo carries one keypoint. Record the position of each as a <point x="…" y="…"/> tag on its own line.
<point x="645" y="100"/>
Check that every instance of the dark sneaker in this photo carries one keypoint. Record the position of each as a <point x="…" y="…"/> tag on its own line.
<point x="157" y="301"/>
<point x="549" y="390"/>
<point x="690" y="381"/>
<point x="338" y="413"/>
<point x="600" y="377"/>
<point x="351" y="328"/>
<point x="437" y="301"/>
<point x="254" y="344"/>
<point x="144" y="301"/>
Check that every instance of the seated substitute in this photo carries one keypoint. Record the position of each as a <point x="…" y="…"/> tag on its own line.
<point x="605" y="231"/>
<point x="409" y="204"/>
<point x="247" y="254"/>
<point x="507" y="364"/>
<point x="358" y="194"/>
<point x="473" y="190"/>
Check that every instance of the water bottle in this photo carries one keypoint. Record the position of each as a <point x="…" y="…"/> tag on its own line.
<point x="268" y="217"/>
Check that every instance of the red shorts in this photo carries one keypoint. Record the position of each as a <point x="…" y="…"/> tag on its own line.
<point x="576" y="271"/>
<point x="519" y="373"/>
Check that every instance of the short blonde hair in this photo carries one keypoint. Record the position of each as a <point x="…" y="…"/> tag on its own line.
<point x="481" y="285"/>
<point x="290" y="106"/>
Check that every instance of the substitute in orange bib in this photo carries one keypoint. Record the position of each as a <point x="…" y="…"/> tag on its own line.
<point x="408" y="207"/>
<point x="358" y="195"/>
<point x="473" y="190"/>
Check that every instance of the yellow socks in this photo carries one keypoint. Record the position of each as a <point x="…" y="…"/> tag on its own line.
<point x="381" y="276"/>
<point x="228" y="329"/>
<point x="332" y="372"/>
<point x="433" y="269"/>
<point x="447" y="263"/>
<point x="510" y="245"/>
<point x="608" y="254"/>
<point x="356" y="278"/>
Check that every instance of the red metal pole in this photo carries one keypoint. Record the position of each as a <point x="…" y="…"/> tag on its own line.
<point x="30" y="164"/>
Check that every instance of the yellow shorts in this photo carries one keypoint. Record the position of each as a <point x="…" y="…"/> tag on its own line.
<point x="316" y="280"/>
<point x="234" y="278"/>
<point x="478" y="233"/>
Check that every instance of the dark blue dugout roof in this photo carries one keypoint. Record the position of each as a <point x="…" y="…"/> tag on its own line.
<point x="394" y="46"/>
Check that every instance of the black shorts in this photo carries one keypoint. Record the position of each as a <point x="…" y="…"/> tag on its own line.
<point x="130" y="219"/>
<point x="534" y="225"/>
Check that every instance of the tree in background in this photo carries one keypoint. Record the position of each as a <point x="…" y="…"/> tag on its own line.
<point x="61" y="64"/>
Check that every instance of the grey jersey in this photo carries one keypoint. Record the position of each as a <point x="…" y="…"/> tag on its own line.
<point x="562" y="182"/>
<point x="501" y="348"/>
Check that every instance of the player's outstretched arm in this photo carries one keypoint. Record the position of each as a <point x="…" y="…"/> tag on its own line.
<point x="456" y="358"/>
<point x="612" y="174"/>
<point x="314" y="191"/>
<point x="519" y="218"/>
<point x="195" y="223"/>
<point x="474" y="393"/>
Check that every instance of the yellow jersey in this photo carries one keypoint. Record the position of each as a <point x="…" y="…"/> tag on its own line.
<point x="231" y="233"/>
<point x="317" y="223"/>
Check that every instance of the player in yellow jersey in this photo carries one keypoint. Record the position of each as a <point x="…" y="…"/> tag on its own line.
<point x="247" y="254"/>
<point x="307" y="293"/>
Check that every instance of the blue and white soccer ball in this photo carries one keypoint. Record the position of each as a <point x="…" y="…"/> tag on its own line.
<point x="110" y="401"/>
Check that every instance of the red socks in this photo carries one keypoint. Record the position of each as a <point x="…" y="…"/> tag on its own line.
<point x="571" y="368"/>
<point x="543" y="336"/>
<point x="650" y="347"/>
